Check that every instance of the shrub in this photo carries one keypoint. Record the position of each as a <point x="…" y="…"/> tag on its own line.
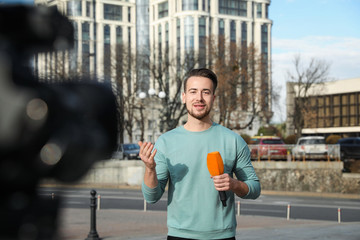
<point x="291" y="139"/>
<point x="332" y="139"/>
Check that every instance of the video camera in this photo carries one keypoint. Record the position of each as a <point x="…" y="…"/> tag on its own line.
<point x="54" y="131"/>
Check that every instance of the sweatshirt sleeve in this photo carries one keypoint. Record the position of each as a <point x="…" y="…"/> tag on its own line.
<point x="152" y="195"/>
<point x="245" y="172"/>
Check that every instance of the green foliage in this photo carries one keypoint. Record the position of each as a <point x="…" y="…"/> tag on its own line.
<point x="268" y="131"/>
<point x="332" y="139"/>
<point x="246" y="138"/>
<point x="291" y="139"/>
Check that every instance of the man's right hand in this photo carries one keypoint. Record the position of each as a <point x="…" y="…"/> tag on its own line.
<point x="147" y="154"/>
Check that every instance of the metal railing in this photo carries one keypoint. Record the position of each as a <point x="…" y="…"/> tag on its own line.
<point x="287" y="152"/>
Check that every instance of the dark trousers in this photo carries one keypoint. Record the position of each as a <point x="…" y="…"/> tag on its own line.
<point x="178" y="238"/>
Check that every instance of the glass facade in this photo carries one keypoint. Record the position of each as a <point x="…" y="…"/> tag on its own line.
<point x="233" y="7"/>
<point x="190" y="5"/>
<point x="112" y="12"/>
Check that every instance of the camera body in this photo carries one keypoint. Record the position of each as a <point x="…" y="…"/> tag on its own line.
<point x="46" y="130"/>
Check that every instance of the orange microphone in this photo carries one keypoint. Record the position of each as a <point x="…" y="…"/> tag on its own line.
<point x="216" y="167"/>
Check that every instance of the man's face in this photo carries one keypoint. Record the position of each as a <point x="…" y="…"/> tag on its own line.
<point x="199" y="97"/>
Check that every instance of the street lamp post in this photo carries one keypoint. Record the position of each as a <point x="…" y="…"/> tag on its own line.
<point x="152" y="94"/>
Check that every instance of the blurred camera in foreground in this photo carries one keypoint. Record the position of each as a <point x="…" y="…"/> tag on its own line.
<point x="54" y="131"/>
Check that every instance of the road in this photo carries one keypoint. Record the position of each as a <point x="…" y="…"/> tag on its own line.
<point x="266" y="205"/>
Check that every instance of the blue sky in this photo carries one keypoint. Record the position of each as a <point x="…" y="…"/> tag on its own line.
<point x="324" y="29"/>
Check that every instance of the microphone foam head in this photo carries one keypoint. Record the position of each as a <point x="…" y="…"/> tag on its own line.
<point x="215" y="163"/>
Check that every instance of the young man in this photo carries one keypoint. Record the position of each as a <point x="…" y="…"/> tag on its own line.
<point x="180" y="158"/>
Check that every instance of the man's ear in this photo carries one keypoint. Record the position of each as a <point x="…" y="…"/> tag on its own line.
<point x="183" y="97"/>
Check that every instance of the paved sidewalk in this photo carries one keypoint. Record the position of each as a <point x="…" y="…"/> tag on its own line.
<point x="74" y="224"/>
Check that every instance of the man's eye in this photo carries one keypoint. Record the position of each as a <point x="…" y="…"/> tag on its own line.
<point x="206" y="92"/>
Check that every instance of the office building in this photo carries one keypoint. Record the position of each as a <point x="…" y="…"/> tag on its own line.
<point x="332" y="108"/>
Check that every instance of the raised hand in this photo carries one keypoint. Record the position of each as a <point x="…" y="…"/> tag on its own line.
<point x="147" y="154"/>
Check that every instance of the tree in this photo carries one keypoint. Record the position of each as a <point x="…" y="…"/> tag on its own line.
<point x="168" y="74"/>
<point x="305" y="77"/>
<point x="122" y="70"/>
<point x="244" y="86"/>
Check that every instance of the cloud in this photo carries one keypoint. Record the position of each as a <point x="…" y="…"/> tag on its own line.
<point x="342" y="53"/>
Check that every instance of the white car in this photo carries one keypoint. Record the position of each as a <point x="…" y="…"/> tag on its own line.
<point x="312" y="147"/>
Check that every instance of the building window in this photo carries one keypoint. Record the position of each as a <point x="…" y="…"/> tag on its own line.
<point x="112" y="12"/>
<point x="85" y="31"/>
<point x="74" y="8"/>
<point x="243" y="33"/>
<point x="189" y="33"/>
<point x="178" y="45"/>
<point x="160" y="43"/>
<point x="202" y="42"/>
<point x="267" y="10"/>
<point x="85" y="59"/>
<point x="119" y="35"/>
<point x="107" y="53"/>
<point x="232" y="39"/>
<point x="167" y="36"/>
<point x="73" y="56"/>
<point x="88" y="9"/>
<point x="258" y="10"/>
<point x="163" y="10"/>
<point x="188" y="5"/>
<point x="129" y="14"/>
<point x="264" y="39"/>
<point x="221" y="27"/>
<point x="232" y="31"/>
<point x="233" y="7"/>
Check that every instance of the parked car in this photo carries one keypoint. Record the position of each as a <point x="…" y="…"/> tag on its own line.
<point x="349" y="148"/>
<point x="127" y="151"/>
<point x="312" y="147"/>
<point x="268" y="146"/>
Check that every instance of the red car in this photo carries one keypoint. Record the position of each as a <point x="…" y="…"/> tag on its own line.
<point x="265" y="147"/>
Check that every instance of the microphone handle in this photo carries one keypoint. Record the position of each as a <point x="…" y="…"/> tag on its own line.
<point x="222" y="195"/>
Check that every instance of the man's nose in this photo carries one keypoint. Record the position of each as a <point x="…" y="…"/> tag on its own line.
<point x="199" y="96"/>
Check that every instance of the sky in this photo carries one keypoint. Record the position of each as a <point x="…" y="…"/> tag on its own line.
<point x="327" y="30"/>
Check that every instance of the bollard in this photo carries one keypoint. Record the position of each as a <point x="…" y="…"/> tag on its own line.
<point x="288" y="212"/>
<point x="339" y="215"/>
<point x="93" y="235"/>
<point x="144" y="205"/>
<point x="52" y="196"/>
<point x="238" y="208"/>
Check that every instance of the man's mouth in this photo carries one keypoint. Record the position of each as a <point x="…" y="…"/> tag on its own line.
<point x="199" y="106"/>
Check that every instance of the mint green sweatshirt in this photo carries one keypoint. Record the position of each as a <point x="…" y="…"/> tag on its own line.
<point x="194" y="208"/>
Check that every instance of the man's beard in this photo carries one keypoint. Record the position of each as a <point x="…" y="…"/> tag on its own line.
<point x="198" y="116"/>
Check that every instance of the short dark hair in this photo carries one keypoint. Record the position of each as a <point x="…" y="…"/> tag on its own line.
<point x="202" y="72"/>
